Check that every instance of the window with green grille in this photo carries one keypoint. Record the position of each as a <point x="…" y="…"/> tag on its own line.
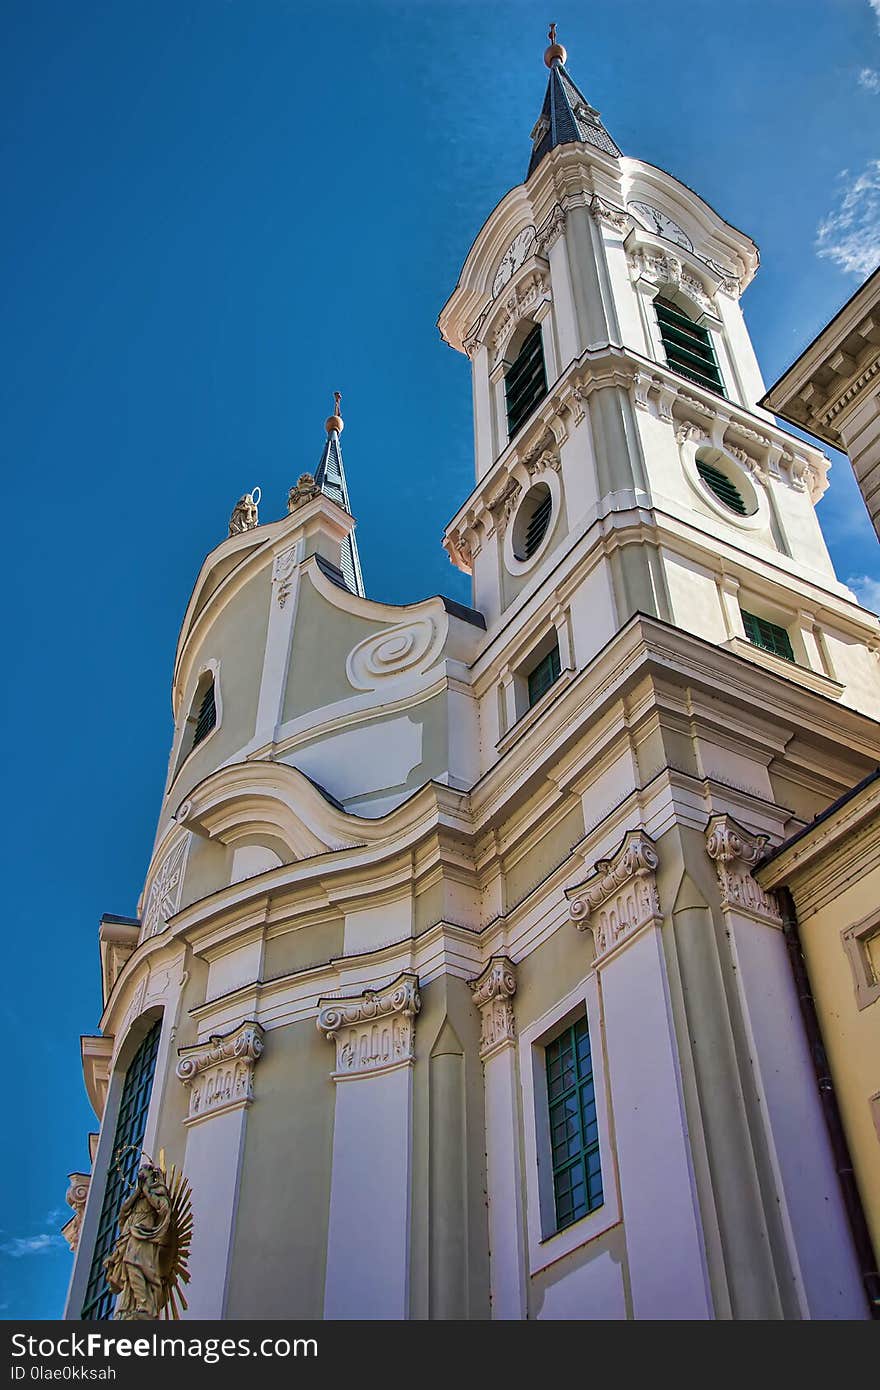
<point x="769" y="636"/>
<point x="526" y="381"/>
<point x="127" y="1140"/>
<point x="543" y="675"/>
<point x="688" y="346"/>
<point x="724" y="488"/>
<point x="574" y="1132"/>
<point x="207" y="715"/>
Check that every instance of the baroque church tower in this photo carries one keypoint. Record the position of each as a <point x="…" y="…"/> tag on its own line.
<point x="452" y="993"/>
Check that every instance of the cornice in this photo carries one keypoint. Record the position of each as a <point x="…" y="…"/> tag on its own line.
<point x="799" y="860"/>
<point x="654" y="387"/>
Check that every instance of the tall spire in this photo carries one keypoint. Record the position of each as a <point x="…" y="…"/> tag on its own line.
<point x="566" y="116"/>
<point x="330" y="478"/>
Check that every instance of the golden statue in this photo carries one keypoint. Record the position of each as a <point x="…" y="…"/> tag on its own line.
<point x="148" y="1263"/>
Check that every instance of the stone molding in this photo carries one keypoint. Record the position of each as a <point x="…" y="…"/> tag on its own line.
<point x="373" y="1031"/>
<point x="735" y="852"/>
<point x="408" y="648"/>
<point x="163" y="898"/>
<point x="521" y="300"/>
<point x="620" y="895"/>
<point x="550" y="229"/>
<point x="616" y="218"/>
<point x="283" y="569"/>
<point x="76" y="1197"/>
<point x="220" y="1071"/>
<point x="493" y="993"/>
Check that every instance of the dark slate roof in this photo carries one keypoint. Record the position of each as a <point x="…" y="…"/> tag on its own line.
<point x="334" y="574"/>
<point x="567" y="118"/>
<point x="460" y="610"/>
<point x="330" y="477"/>
<point x="822" y="816"/>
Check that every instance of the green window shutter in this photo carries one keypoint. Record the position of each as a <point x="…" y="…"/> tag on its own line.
<point x="538" y="523"/>
<point x="124" y="1163"/>
<point x="543" y="676"/>
<point x="688" y="346"/>
<point x="723" y="487"/>
<point x="207" y="715"/>
<point x="526" y="381"/>
<point x="574" y="1131"/>
<point x="768" y="636"/>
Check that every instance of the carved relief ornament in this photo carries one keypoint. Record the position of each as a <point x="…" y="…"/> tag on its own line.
<point x="373" y="1031"/>
<point x="523" y="299"/>
<point x="76" y="1196"/>
<point x="220" y="1071"/>
<point x="283" y="569"/>
<point x="406" y="649"/>
<point x="493" y="993"/>
<point x="163" y="898"/>
<point x="620" y="895"/>
<point x="735" y="852"/>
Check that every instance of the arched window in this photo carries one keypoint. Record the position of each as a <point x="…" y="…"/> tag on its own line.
<point x="124" y="1161"/>
<point x="526" y="380"/>
<point x="688" y="346"/>
<point x="202" y="717"/>
<point x="206" y="717"/>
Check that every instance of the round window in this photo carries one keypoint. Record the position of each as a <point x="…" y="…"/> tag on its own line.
<point x="731" y="489"/>
<point x="532" y="522"/>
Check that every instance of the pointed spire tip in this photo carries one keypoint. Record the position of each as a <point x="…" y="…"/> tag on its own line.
<point x="334" y="422"/>
<point x="555" y="53"/>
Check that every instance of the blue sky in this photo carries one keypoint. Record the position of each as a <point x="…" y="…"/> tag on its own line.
<point x="218" y="212"/>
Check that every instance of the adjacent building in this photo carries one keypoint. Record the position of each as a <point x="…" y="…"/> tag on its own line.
<point x="452" y="989"/>
<point x="833" y="389"/>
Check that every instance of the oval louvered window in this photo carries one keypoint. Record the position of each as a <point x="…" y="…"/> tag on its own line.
<point x="532" y="522"/>
<point x="724" y="488"/>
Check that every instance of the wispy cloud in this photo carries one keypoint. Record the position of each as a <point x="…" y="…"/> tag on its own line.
<point x="850" y="234"/>
<point x="869" y="78"/>
<point x="20" y="1246"/>
<point x="875" y="6"/>
<point x="866" y="590"/>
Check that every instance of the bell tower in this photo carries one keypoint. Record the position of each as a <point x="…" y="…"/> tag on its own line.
<point x="622" y="461"/>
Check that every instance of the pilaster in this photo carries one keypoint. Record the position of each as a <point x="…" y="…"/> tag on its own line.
<point x="219" y="1076"/>
<point x="368" y="1242"/>
<point x="493" y="993"/>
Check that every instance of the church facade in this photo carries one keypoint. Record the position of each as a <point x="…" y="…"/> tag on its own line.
<point x="452" y="992"/>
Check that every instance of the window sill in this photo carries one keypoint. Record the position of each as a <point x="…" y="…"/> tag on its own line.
<point x="531" y="715"/>
<point x="791" y="670"/>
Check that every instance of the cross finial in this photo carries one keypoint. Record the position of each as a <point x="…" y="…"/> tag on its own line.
<point x="334" y="421"/>
<point x="555" y="53"/>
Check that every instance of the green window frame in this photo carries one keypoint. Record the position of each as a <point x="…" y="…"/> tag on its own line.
<point x="770" y="637"/>
<point x="574" y="1129"/>
<point x="526" y="380"/>
<point x="542" y="676"/>
<point x="688" y="346"/>
<point x="123" y="1166"/>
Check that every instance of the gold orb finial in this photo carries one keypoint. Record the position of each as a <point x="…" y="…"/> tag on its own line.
<point x="334" y="422"/>
<point x="555" y="53"/>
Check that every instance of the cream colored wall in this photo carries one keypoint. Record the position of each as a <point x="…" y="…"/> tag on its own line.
<point x="851" y="1035"/>
<point x="321" y="628"/>
<point x="278" y="1260"/>
<point x="236" y="638"/>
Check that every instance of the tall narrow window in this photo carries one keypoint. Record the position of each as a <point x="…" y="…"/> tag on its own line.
<point x="207" y="715"/>
<point x="122" y="1170"/>
<point x="770" y="637"/>
<point x="543" y="675"/>
<point x="688" y="346"/>
<point x="526" y="381"/>
<point x="574" y="1132"/>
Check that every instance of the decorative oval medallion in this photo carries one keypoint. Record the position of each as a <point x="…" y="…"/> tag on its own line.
<point x="409" y="647"/>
